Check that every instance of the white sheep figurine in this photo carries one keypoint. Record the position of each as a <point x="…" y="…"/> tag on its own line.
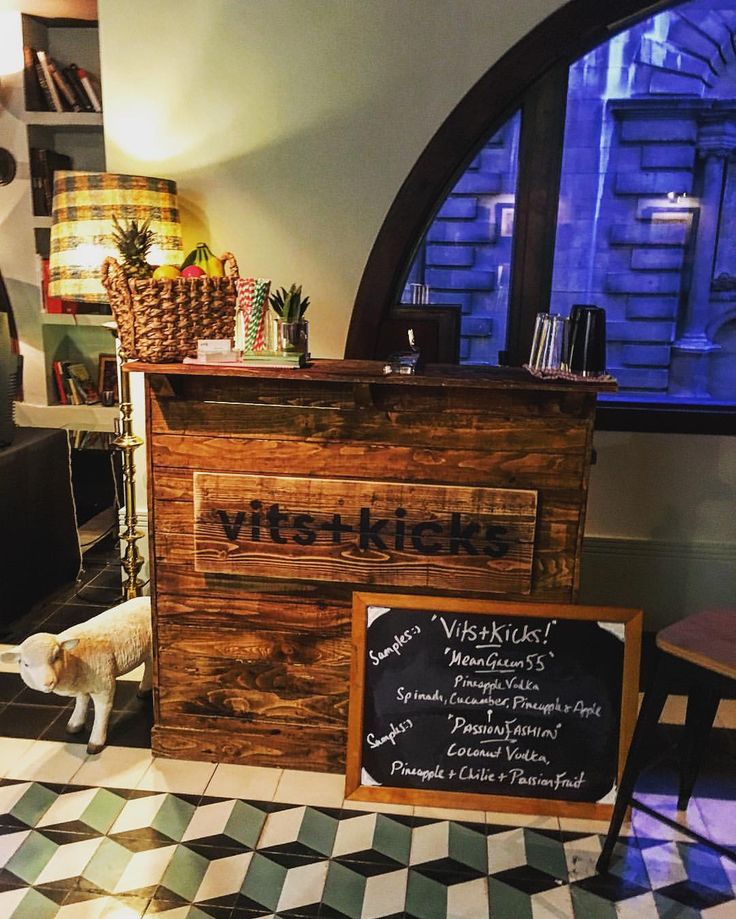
<point x="84" y="661"/>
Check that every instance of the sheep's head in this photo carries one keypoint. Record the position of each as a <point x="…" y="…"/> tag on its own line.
<point x="40" y="659"/>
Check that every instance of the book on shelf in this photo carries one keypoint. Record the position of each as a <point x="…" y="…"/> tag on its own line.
<point x="86" y="81"/>
<point x="35" y="99"/>
<point x="66" y="93"/>
<point x="44" y="163"/>
<point x="283" y="359"/>
<point x="49" y="84"/>
<point x="71" y="74"/>
<point x="62" y="383"/>
<point x="81" y="382"/>
<point x="274" y="359"/>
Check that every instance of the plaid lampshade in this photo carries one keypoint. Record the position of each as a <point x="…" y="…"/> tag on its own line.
<point x="84" y="204"/>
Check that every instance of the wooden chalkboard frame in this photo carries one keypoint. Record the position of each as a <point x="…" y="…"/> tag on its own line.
<point x="355" y="790"/>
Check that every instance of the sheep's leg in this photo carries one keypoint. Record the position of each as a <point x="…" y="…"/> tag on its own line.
<point x="79" y="715"/>
<point x="103" y="707"/>
<point x="146" y="684"/>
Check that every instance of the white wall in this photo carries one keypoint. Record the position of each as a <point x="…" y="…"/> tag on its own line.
<point x="289" y="126"/>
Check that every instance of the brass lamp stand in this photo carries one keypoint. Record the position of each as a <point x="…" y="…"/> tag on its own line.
<point x="128" y="442"/>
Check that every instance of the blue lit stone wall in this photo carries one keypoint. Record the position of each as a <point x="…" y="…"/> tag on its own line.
<point x="467" y="251"/>
<point x="643" y="111"/>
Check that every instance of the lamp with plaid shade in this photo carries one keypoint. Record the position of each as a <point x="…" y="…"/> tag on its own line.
<point x="84" y="205"/>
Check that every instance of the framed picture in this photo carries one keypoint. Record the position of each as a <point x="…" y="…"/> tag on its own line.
<point x="107" y="380"/>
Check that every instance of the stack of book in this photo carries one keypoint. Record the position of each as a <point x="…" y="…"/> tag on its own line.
<point x="53" y="88"/>
<point x="74" y="384"/>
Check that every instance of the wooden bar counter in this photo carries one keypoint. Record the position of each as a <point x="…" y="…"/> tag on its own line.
<point x="274" y="494"/>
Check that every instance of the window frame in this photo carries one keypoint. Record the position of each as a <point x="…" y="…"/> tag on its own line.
<point x="531" y="76"/>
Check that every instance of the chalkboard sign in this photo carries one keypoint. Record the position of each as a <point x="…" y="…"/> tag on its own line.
<point x="523" y="707"/>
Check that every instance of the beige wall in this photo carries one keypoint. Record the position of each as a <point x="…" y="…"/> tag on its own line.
<point x="290" y="125"/>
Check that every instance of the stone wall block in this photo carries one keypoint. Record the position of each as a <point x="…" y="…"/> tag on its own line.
<point x="680" y="84"/>
<point x="455" y="256"/>
<point x="494" y="159"/>
<point x="477" y="326"/>
<point x="662" y="130"/>
<point x="646" y="355"/>
<point x="641" y="332"/>
<point x="639" y="378"/>
<point x="460" y="298"/>
<point x="688" y="37"/>
<point x="460" y="231"/>
<point x="667" y="156"/>
<point x="651" y="308"/>
<point x="660" y="233"/>
<point x="478" y="183"/>
<point x="657" y="259"/>
<point x="653" y="182"/>
<point x="663" y="57"/>
<point x="631" y="282"/>
<point x="486" y="303"/>
<point x="458" y="209"/>
<point x="462" y="279"/>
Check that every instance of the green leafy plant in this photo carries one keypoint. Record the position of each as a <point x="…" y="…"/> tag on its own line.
<point x="289" y="305"/>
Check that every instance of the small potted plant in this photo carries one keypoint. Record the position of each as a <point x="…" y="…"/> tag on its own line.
<point x="292" y="329"/>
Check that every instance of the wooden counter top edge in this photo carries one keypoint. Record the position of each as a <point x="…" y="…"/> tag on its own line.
<point x="442" y="375"/>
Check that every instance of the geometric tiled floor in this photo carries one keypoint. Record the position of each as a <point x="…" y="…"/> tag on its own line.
<point x="80" y="851"/>
<point x="123" y="834"/>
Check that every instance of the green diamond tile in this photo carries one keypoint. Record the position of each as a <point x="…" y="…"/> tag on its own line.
<point x="509" y="903"/>
<point x="185" y="872"/>
<point x="545" y="854"/>
<point x="344" y="890"/>
<point x="469" y="847"/>
<point x="31" y="857"/>
<point x="591" y="906"/>
<point x="103" y="810"/>
<point x="392" y="839"/>
<point x="35" y="906"/>
<point x="173" y="817"/>
<point x="425" y="898"/>
<point x="264" y="881"/>
<point x="34" y="804"/>
<point x="106" y="866"/>
<point x="318" y="831"/>
<point x="245" y="824"/>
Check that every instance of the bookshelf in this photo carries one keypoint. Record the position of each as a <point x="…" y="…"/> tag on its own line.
<point x="78" y="135"/>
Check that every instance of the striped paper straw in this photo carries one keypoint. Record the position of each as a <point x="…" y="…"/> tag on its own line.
<point x="250" y="316"/>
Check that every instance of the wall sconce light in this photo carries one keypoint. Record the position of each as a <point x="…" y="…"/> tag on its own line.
<point x="84" y="205"/>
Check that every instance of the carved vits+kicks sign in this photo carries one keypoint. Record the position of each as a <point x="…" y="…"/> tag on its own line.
<point x="384" y="533"/>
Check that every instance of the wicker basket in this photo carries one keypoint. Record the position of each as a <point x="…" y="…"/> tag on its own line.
<point x="160" y="321"/>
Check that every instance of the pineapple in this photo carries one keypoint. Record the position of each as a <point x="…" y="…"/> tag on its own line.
<point x="134" y="242"/>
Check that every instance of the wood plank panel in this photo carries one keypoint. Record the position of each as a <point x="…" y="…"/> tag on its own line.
<point x="361" y="531"/>
<point x="510" y="469"/>
<point x="258" y="610"/>
<point x="307" y="746"/>
<point x="247" y="674"/>
<point x="419" y="429"/>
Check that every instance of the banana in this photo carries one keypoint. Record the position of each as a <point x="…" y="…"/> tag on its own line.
<point x="202" y="256"/>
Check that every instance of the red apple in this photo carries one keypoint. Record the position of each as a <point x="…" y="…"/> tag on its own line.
<point x="192" y="271"/>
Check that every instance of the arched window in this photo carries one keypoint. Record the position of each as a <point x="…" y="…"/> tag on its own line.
<point x="612" y="181"/>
